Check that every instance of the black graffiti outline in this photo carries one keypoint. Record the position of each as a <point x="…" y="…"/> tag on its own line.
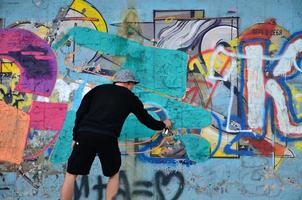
<point x="161" y="179"/>
<point x="166" y="180"/>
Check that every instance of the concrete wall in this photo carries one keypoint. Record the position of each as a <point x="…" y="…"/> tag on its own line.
<point x="226" y="72"/>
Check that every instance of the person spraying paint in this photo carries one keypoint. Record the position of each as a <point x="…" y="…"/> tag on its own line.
<point x="98" y="124"/>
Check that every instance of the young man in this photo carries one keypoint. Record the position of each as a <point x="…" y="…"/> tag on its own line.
<point x="98" y="124"/>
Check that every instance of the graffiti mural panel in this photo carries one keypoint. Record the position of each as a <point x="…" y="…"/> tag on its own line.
<point x="227" y="74"/>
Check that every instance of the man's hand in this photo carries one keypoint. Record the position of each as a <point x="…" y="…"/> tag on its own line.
<point x="72" y="144"/>
<point x="168" y="123"/>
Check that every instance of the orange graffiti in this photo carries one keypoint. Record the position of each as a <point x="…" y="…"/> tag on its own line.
<point x="13" y="133"/>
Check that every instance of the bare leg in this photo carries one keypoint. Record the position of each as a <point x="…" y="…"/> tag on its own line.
<point x="68" y="187"/>
<point x="112" y="187"/>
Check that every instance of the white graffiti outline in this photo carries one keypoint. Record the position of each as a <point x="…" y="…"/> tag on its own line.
<point x="286" y="60"/>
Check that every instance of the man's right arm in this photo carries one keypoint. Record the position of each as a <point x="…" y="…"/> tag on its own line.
<point x="144" y="117"/>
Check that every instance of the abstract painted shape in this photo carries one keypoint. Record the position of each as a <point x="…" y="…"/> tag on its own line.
<point x="46" y="144"/>
<point x="13" y="133"/>
<point x="260" y="30"/>
<point x="47" y="116"/>
<point x="90" y="12"/>
<point x="62" y="149"/>
<point x="33" y="56"/>
<point x="10" y="74"/>
<point x="156" y="142"/>
<point x="197" y="148"/>
<point x="158" y="69"/>
<point x="268" y="148"/>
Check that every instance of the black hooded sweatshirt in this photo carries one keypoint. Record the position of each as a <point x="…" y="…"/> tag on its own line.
<point x="105" y="108"/>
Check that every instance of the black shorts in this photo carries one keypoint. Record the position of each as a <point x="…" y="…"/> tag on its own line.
<point x="89" y="145"/>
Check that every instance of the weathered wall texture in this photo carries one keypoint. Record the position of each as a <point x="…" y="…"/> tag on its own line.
<point x="226" y="72"/>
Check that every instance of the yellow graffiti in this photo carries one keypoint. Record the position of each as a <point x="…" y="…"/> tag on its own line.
<point x="273" y="47"/>
<point x="42" y="31"/>
<point x="89" y="11"/>
<point x="195" y="62"/>
<point x="210" y="133"/>
<point x="234" y="42"/>
<point x="7" y="66"/>
<point x="298" y="146"/>
<point x="169" y="19"/>
<point x="18" y="99"/>
<point x="297" y="97"/>
<point x="219" y="63"/>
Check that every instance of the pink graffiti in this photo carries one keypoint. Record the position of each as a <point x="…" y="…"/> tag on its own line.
<point x="33" y="56"/>
<point x="47" y="116"/>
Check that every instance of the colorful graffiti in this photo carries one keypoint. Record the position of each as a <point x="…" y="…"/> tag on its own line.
<point x="231" y="94"/>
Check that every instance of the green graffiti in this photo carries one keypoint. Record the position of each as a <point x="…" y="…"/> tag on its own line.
<point x="162" y="70"/>
<point x="197" y="148"/>
<point x="62" y="149"/>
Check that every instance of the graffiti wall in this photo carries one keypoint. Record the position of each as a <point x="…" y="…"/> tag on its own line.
<point x="226" y="72"/>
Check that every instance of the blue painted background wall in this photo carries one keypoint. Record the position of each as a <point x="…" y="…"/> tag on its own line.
<point x="228" y="74"/>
